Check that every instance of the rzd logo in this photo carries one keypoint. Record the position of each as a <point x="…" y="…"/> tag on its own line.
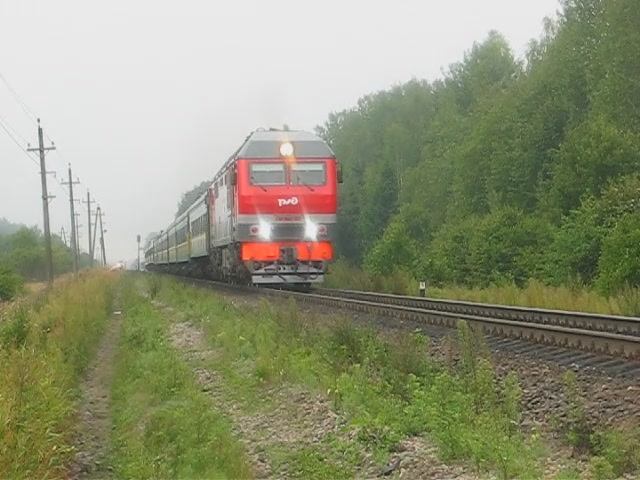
<point x="287" y="201"/>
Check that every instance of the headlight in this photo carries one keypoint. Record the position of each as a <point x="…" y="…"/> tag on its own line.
<point x="264" y="230"/>
<point x="286" y="149"/>
<point x="310" y="230"/>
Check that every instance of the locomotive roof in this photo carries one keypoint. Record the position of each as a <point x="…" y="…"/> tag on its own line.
<point x="266" y="144"/>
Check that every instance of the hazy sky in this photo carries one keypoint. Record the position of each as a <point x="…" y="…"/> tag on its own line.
<point x="147" y="98"/>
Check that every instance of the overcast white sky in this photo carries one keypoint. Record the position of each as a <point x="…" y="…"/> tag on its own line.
<point x="147" y="98"/>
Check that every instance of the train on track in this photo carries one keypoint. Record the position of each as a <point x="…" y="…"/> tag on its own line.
<point x="268" y="217"/>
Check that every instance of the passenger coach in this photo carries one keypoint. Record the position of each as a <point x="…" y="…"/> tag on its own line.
<point x="267" y="218"/>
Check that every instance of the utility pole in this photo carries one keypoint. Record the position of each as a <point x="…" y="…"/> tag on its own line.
<point x="95" y="230"/>
<point x="89" y="202"/>
<point x="78" y="236"/>
<point x="74" y="240"/>
<point x="104" y="254"/>
<point x="45" y="200"/>
<point x="138" y="238"/>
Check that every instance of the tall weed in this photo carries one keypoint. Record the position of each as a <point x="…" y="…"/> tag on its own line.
<point x="43" y="351"/>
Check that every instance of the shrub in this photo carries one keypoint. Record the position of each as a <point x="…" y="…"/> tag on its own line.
<point x="395" y="250"/>
<point x="576" y="246"/>
<point x="10" y="284"/>
<point x="506" y="245"/>
<point x="619" y="265"/>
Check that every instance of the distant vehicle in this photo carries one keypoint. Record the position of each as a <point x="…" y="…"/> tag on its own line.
<point x="268" y="217"/>
<point x="117" y="266"/>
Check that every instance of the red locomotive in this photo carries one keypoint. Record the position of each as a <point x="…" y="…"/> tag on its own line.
<point x="268" y="217"/>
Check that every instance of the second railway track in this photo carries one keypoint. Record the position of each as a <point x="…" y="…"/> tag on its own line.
<point x="601" y="334"/>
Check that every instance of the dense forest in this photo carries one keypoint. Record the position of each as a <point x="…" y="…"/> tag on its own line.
<point x="505" y="169"/>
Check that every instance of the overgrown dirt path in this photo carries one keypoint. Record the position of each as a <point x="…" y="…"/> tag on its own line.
<point x="94" y="428"/>
<point x="299" y="419"/>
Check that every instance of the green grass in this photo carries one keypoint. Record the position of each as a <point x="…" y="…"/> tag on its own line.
<point x="388" y="389"/>
<point x="334" y="459"/>
<point x="11" y="284"/>
<point x="164" y="425"/>
<point x="44" y="348"/>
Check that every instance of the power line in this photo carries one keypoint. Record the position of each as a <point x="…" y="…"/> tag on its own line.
<point x="13" y="133"/>
<point x="18" y="99"/>
<point x="8" y="130"/>
<point x="32" y="116"/>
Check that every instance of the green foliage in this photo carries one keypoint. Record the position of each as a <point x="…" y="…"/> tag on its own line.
<point x="619" y="265"/>
<point x="395" y="250"/>
<point x="617" y="452"/>
<point x="472" y="415"/>
<point x="10" y="284"/>
<point x="575" y="248"/>
<point x="577" y="427"/>
<point x="503" y="170"/>
<point x="24" y="253"/>
<point x="44" y="350"/>
<point x="389" y="389"/>
<point x="504" y="246"/>
<point x="164" y="426"/>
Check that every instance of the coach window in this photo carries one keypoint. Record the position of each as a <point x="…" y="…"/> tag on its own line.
<point x="267" y="174"/>
<point x="308" y="173"/>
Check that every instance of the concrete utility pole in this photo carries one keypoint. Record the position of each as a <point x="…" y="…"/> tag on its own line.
<point x="74" y="240"/>
<point x="78" y="235"/>
<point x="95" y="230"/>
<point x="104" y="254"/>
<point x="45" y="200"/>
<point x="138" y="238"/>
<point x="89" y="202"/>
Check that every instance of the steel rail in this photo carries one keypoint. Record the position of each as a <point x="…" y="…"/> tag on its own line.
<point x="585" y="321"/>
<point x="549" y="327"/>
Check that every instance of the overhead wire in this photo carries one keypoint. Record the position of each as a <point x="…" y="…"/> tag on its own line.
<point x="18" y="99"/>
<point x="34" y="118"/>
<point x="8" y="130"/>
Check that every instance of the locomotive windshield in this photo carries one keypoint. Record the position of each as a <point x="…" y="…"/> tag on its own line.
<point x="267" y="174"/>
<point x="308" y="173"/>
<point x="298" y="173"/>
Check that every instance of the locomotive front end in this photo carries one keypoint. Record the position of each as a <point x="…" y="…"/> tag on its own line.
<point x="286" y="207"/>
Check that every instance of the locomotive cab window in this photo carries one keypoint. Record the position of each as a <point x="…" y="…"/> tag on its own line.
<point x="308" y="173"/>
<point x="267" y="174"/>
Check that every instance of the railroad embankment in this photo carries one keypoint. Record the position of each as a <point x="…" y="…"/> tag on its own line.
<point x="145" y="377"/>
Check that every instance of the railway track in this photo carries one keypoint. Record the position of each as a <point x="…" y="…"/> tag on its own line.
<point x="614" y="336"/>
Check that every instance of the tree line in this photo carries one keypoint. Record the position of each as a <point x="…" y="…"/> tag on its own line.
<point x="23" y="257"/>
<point x="505" y="169"/>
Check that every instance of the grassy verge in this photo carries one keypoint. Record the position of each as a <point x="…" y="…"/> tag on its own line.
<point x="534" y="294"/>
<point x="389" y="389"/>
<point x="164" y="426"/>
<point x="44" y="349"/>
